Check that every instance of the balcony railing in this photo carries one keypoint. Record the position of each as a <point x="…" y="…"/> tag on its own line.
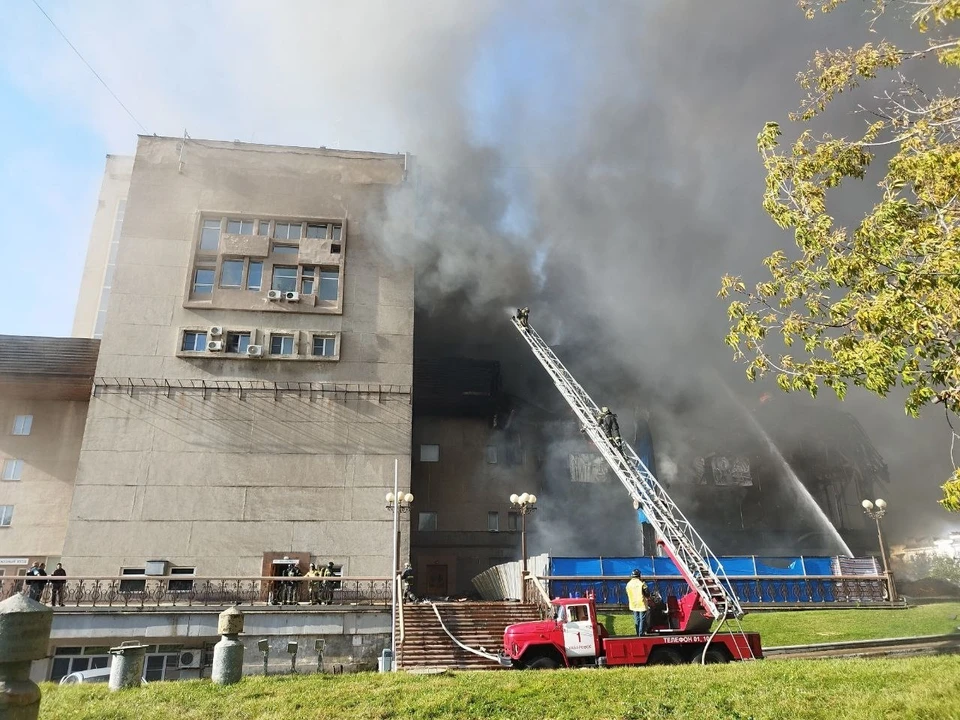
<point x="141" y="591"/>
<point x="754" y="591"/>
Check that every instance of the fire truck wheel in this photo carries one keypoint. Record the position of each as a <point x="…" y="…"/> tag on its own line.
<point x="714" y="655"/>
<point x="544" y="663"/>
<point x="665" y="656"/>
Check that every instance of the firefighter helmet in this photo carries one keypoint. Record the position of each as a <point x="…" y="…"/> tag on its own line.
<point x="635" y="573"/>
<point x="604" y="409"/>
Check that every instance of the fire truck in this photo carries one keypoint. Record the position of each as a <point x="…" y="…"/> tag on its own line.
<point x="680" y="629"/>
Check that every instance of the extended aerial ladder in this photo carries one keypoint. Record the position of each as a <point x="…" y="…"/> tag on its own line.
<point x="698" y="565"/>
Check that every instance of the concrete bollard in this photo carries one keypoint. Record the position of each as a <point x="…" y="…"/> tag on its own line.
<point x="24" y="637"/>
<point x="228" y="653"/>
<point x="126" y="670"/>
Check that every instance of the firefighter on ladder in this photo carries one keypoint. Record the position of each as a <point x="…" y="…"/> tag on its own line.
<point x="611" y="428"/>
<point x="523" y="316"/>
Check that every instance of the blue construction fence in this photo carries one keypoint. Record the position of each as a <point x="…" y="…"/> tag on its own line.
<point x="762" y="580"/>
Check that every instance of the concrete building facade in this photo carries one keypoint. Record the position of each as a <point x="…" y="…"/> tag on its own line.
<point x="96" y="283"/>
<point x="44" y="396"/>
<point x="253" y="387"/>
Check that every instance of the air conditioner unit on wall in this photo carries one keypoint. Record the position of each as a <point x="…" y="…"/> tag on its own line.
<point x="215" y="346"/>
<point x="155" y="567"/>
<point x="255" y="351"/>
<point x="291" y="296"/>
<point x="216" y="331"/>
<point x="189" y="659"/>
<point x="274" y="294"/>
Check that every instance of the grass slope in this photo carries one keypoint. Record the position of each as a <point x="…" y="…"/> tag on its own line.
<point x="917" y="688"/>
<point x="818" y="626"/>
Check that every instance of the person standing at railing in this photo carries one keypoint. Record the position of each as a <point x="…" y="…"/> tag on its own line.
<point x="326" y="596"/>
<point x="292" y="594"/>
<point x="56" y="586"/>
<point x="637" y="596"/>
<point x="34" y="587"/>
<point x="314" y="584"/>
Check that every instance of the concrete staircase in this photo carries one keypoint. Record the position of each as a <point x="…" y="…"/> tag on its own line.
<point x="475" y="624"/>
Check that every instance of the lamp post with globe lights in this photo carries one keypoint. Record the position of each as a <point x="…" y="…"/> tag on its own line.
<point x="397" y="502"/>
<point x="525" y="504"/>
<point x="876" y="510"/>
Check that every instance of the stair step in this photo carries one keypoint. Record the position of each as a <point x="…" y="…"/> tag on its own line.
<point x="475" y="625"/>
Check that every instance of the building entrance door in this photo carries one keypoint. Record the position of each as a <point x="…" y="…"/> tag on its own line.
<point x="276" y="565"/>
<point x="436" y="580"/>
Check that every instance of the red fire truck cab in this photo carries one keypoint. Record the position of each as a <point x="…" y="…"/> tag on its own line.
<point x="575" y="637"/>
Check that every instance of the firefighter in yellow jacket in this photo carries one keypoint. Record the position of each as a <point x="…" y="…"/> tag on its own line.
<point x="638" y="596"/>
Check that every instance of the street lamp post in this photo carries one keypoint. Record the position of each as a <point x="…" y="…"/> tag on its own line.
<point x="397" y="503"/>
<point x="876" y="510"/>
<point x="526" y="504"/>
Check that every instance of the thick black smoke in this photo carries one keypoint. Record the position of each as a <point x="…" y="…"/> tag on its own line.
<point x="639" y="186"/>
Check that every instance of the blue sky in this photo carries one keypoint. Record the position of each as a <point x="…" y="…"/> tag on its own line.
<point x="57" y="122"/>
<point x="49" y="177"/>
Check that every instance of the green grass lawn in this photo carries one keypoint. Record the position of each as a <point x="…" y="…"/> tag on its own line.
<point x="818" y="626"/>
<point x="917" y="688"/>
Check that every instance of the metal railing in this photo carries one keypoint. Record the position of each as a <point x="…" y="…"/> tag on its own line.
<point x="141" y="591"/>
<point x="755" y="591"/>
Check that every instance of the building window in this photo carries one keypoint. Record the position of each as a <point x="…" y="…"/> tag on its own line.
<point x="281" y="345"/>
<point x="240" y="227"/>
<point x="284" y="278"/>
<point x="329" y="285"/>
<point x="279" y="249"/>
<point x="12" y="469"/>
<point x="181" y="584"/>
<point x="513" y="521"/>
<point x="324" y="346"/>
<point x="194" y="341"/>
<point x="491" y="454"/>
<point x="22" y="424"/>
<point x="210" y="236"/>
<point x="255" y="276"/>
<point x="238" y="342"/>
<point x="493" y="521"/>
<point x="203" y="281"/>
<point x="263" y="228"/>
<point x="6" y="515"/>
<point x="231" y="274"/>
<point x="336" y="233"/>
<point x="317" y="231"/>
<point x="92" y="658"/>
<point x="131" y="586"/>
<point x="307" y="278"/>
<point x="429" y="453"/>
<point x="427" y="521"/>
<point x="287" y="231"/>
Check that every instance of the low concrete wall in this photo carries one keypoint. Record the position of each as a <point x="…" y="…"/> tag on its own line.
<point x="354" y="638"/>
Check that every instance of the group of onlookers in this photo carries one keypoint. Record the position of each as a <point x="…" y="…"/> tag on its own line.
<point x="36" y="587"/>
<point x="288" y="592"/>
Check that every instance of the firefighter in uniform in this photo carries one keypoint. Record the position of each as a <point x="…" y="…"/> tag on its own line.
<point x="611" y="428"/>
<point x="314" y="584"/>
<point x="407" y="577"/>
<point x="293" y="587"/>
<point x="638" y="596"/>
<point x="326" y="596"/>
<point x="523" y="316"/>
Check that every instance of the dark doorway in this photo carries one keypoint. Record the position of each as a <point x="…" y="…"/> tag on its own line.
<point x="436" y="580"/>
